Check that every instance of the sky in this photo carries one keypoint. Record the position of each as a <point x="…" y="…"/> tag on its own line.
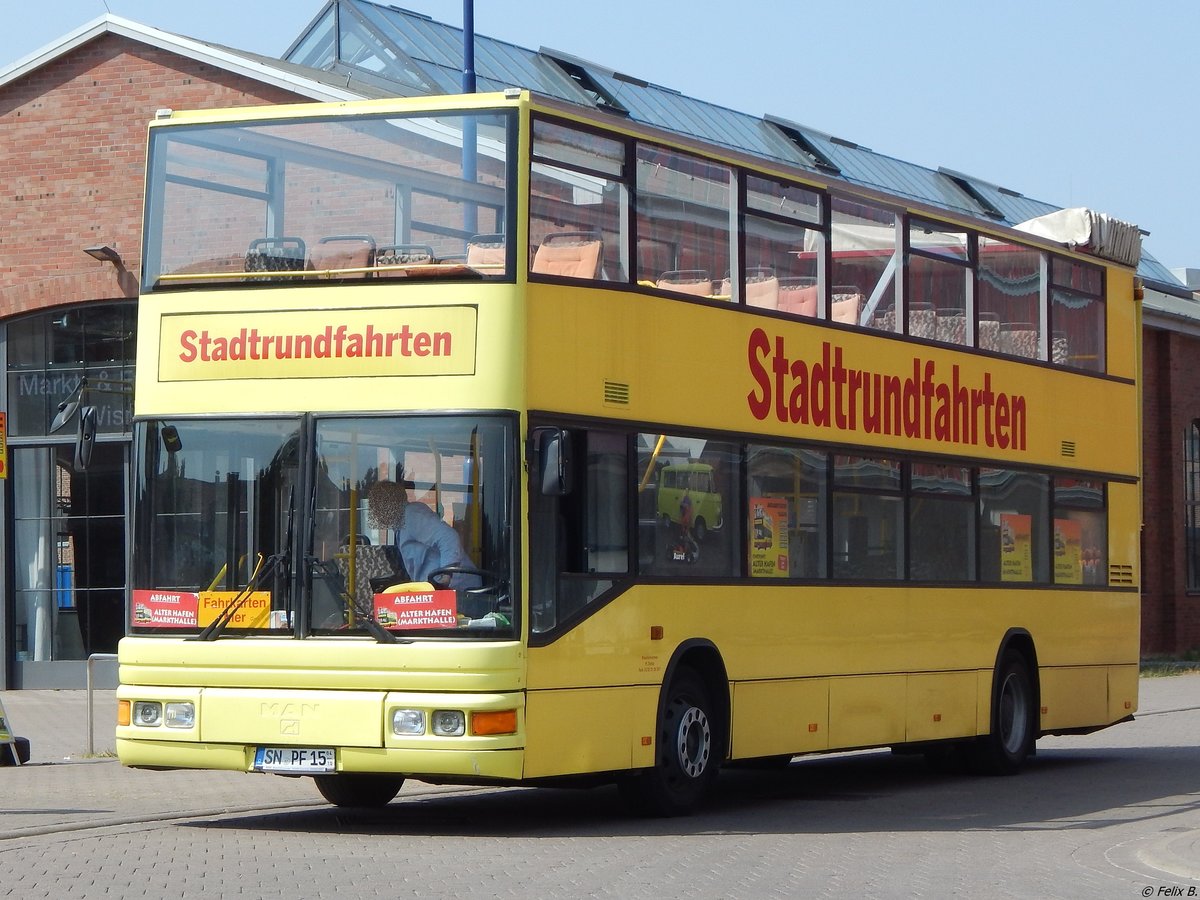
<point x="1074" y="104"/>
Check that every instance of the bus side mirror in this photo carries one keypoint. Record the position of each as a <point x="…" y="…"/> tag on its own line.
<point x="557" y="468"/>
<point x="85" y="438"/>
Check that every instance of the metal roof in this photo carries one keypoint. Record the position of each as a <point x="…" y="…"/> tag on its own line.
<point x="417" y="54"/>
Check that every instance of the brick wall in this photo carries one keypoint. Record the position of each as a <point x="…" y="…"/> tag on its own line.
<point x="1171" y="402"/>
<point x="72" y="163"/>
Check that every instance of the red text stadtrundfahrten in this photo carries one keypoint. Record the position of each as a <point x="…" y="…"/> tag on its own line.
<point x="329" y="343"/>
<point x="827" y="394"/>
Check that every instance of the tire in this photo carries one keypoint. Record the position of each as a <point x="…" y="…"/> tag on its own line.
<point x="688" y="752"/>
<point x="358" y="791"/>
<point x="699" y="529"/>
<point x="1014" y="720"/>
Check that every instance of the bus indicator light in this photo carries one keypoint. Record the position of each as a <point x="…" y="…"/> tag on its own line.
<point x="647" y="740"/>
<point x="656" y="632"/>
<point x="503" y="722"/>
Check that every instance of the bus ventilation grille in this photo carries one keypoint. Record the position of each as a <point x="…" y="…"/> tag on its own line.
<point x="1068" y="448"/>
<point x="616" y="393"/>
<point x="1120" y="575"/>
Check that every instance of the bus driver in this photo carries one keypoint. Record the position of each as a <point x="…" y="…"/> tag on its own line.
<point x="426" y="543"/>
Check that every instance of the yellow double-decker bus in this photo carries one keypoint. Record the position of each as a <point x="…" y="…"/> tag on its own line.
<point x="485" y="439"/>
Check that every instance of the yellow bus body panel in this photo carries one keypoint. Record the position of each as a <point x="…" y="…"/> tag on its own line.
<point x="590" y="730"/>
<point x="689" y="363"/>
<point x="771" y="718"/>
<point x="482" y="369"/>
<point x="1074" y="696"/>
<point x="940" y="706"/>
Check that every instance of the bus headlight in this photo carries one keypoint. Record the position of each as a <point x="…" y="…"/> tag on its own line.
<point x="449" y="723"/>
<point x="181" y="715"/>
<point x="147" y="713"/>
<point x="408" y="721"/>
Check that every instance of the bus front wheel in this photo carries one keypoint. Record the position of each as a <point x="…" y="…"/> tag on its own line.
<point x="686" y="756"/>
<point x="352" y="789"/>
<point x="1014" y="719"/>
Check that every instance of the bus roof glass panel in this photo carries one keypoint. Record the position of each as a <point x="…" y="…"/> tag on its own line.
<point x="438" y="46"/>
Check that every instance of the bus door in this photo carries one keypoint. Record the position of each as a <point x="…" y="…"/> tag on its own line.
<point x="579" y="522"/>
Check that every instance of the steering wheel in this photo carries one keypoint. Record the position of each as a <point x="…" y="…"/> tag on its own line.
<point x="490" y="580"/>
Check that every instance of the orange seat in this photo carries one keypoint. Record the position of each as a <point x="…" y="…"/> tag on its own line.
<point x="487" y="253"/>
<point x="846" y="308"/>
<point x="686" y="281"/>
<point x="798" y="297"/>
<point x="762" y="289"/>
<point x="340" y="252"/>
<point x="569" y="254"/>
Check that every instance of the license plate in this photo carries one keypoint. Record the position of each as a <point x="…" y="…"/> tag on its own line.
<point x="294" y="759"/>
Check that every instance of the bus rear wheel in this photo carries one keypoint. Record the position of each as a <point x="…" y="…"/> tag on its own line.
<point x="1014" y="720"/>
<point x="359" y="791"/>
<point x="687" y="753"/>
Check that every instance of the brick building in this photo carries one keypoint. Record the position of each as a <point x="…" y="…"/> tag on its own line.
<point x="1171" y="471"/>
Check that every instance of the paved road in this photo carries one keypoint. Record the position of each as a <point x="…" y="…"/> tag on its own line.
<point x="1115" y="814"/>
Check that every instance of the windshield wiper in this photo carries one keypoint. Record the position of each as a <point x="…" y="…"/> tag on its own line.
<point x="275" y="564"/>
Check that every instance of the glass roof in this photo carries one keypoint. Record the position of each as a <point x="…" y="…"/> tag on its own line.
<point x="420" y="55"/>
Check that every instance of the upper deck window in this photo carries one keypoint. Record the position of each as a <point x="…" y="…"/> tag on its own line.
<point x="297" y="201"/>
<point x="1077" y="315"/>
<point x="578" y="204"/>
<point x="784" y="246"/>
<point x="863" y="240"/>
<point x="685" y="214"/>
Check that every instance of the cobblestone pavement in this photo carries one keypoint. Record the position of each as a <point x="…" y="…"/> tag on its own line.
<point x="1114" y="814"/>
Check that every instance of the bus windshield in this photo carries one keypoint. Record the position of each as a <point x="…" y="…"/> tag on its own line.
<point x="306" y="200"/>
<point x="402" y="526"/>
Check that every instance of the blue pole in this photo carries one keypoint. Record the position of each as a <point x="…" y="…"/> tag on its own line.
<point x="470" y="172"/>
<point x="468" y="80"/>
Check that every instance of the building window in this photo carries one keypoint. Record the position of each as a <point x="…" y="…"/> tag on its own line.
<point x="1191" y="487"/>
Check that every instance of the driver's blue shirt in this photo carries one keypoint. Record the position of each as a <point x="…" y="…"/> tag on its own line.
<point x="426" y="544"/>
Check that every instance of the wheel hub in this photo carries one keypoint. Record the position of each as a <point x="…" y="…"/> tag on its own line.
<point x="695" y="742"/>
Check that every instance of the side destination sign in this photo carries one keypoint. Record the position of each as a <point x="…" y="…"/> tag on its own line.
<point x="328" y="343"/>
